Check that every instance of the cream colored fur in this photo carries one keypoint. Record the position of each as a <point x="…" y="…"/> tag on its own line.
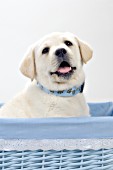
<point x="32" y="102"/>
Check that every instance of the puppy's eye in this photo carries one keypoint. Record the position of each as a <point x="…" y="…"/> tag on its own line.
<point x="45" y="50"/>
<point x="68" y="43"/>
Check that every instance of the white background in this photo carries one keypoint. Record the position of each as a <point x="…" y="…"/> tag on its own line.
<point x="22" y="22"/>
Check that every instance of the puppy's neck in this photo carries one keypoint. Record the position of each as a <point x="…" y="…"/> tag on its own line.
<point x="64" y="93"/>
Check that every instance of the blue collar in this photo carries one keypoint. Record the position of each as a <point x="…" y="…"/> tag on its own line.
<point x="64" y="93"/>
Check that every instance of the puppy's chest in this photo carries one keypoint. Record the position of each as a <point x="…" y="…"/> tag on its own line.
<point x="50" y="103"/>
<point x="54" y="106"/>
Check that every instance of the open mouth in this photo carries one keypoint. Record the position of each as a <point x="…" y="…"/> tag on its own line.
<point x="64" y="70"/>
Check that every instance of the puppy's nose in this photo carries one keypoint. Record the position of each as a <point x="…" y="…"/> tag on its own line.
<point x="60" y="52"/>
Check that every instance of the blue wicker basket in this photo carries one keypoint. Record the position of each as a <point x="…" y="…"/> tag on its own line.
<point x="59" y="143"/>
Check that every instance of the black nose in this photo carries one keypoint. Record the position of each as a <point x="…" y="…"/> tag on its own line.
<point x="60" y="52"/>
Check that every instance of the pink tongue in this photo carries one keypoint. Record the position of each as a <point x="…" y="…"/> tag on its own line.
<point x="64" y="69"/>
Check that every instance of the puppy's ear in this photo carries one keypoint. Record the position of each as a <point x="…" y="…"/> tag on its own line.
<point x="85" y="50"/>
<point x="27" y="66"/>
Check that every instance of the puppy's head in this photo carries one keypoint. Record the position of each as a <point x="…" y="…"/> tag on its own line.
<point x="56" y="61"/>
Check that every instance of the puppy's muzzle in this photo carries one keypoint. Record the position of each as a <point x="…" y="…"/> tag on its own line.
<point x="60" y="52"/>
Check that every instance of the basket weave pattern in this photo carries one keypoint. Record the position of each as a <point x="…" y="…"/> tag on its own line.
<point x="51" y="160"/>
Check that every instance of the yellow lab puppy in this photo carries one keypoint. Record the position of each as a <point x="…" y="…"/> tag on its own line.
<point x="55" y="64"/>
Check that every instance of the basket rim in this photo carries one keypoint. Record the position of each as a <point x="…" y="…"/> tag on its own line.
<point x="61" y="128"/>
<point x="57" y="128"/>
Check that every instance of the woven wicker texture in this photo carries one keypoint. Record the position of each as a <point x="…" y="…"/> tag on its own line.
<point x="51" y="160"/>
